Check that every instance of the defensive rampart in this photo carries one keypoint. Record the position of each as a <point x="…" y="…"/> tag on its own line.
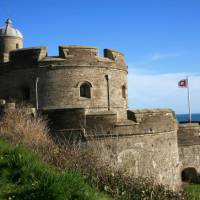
<point x="145" y="144"/>
<point x="147" y="147"/>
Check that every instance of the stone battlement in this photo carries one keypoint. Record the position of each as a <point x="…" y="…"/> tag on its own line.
<point x="77" y="55"/>
<point x="28" y="55"/>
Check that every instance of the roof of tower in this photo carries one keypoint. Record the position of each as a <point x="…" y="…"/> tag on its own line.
<point x="9" y="30"/>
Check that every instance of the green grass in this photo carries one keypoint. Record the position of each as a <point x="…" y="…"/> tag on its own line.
<point x="23" y="176"/>
<point x="193" y="190"/>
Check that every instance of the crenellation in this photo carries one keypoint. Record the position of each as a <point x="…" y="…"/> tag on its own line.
<point x="79" y="52"/>
<point x="117" y="56"/>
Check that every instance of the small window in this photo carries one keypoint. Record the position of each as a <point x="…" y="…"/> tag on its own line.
<point x="85" y="90"/>
<point x="124" y="91"/>
<point x="17" y="46"/>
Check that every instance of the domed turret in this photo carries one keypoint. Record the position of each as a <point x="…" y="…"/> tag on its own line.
<point x="10" y="39"/>
<point x="9" y="30"/>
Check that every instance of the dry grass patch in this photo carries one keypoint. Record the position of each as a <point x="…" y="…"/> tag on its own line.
<point x="19" y="126"/>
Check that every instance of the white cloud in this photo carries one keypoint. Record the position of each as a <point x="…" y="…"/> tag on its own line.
<point x="147" y="60"/>
<point x="161" y="56"/>
<point x="162" y="91"/>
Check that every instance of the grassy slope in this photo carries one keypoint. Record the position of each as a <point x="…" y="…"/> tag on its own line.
<point x="24" y="176"/>
<point x="193" y="190"/>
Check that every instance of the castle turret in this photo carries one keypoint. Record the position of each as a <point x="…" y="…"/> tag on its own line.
<point x="10" y="39"/>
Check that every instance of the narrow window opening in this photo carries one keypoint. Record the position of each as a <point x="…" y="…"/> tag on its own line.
<point x="85" y="90"/>
<point x="17" y="46"/>
<point x="124" y="91"/>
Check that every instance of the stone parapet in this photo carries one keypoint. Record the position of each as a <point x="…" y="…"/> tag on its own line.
<point x="189" y="134"/>
<point x="27" y="55"/>
<point x="153" y="120"/>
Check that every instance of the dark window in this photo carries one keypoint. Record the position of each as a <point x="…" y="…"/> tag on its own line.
<point x="85" y="90"/>
<point x="17" y="46"/>
<point x="124" y="91"/>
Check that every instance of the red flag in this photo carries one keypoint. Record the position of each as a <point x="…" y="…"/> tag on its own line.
<point x="183" y="83"/>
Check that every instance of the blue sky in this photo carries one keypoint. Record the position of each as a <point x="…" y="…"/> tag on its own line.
<point x="160" y="39"/>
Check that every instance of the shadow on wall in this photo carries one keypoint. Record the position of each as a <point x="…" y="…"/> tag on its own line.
<point x="190" y="175"/>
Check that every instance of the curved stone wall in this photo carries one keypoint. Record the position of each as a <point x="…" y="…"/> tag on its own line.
<point x="147" y="155"/>
<point x="189" y="146"/>
<point x="8" y="44"/>
<point x="189" y="157"/>
<point x="59" y="79"/>
<point x="145" y="145"/>
<point x="61" y="87"/>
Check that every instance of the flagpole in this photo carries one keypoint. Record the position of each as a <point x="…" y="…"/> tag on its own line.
<point x="189" y="106"/>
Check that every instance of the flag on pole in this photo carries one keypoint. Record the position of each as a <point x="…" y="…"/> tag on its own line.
<point x="183" y="83"/>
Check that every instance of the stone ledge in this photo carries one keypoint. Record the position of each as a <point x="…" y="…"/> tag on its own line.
<point x="155" y="110"/>
<point x="102" y="113"/>
<point x="50" y="108"/>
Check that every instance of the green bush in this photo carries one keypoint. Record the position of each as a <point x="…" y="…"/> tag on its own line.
<point x="23" y="176"/>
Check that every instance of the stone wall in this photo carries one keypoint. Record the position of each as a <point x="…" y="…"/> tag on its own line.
<point x="98" y="123"/>
<point x="68" y="118"/>
<point x="60" y="87"/>
<point x="189" y="146"/>
<point x="146" y="155"/>
<point x="18" y="84"/>
<point x="8" y="44"/>
<point x="153" y="120"/>
<point x="189" y="134"/>
<point x="26" y="56"/>
<point x="189" y="158"/>
<point x="146" y="145"/>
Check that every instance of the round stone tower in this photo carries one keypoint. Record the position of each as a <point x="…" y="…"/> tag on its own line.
<point x="10" y="39"/>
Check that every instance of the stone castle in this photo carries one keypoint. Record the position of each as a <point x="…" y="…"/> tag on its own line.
<point x="85" y="97"/>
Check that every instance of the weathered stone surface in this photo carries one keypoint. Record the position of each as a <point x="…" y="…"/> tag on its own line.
<point x="68" y="118"/>
<point x="8" y="44"/>
<point x="148" y="155"/>
<point x="189" y="134"/>
<point x="59" y="84"/>
<point x="27" y="56"/>
<point x="189" y="148"/>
